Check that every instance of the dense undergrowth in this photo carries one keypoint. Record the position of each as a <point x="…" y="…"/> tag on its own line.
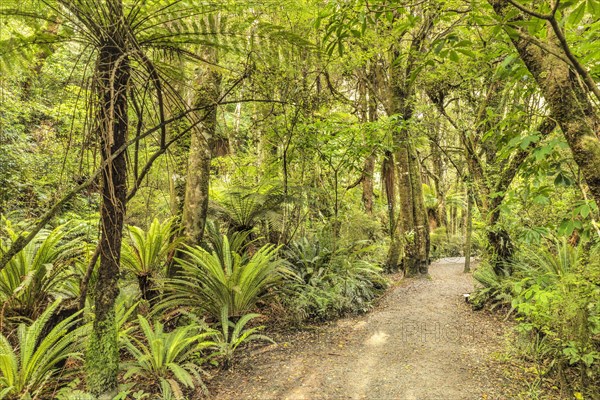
<point x="554" y="295"/>
<point x="183" y="311"/>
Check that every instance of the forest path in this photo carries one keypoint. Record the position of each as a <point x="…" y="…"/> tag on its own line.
<point x="421" y="342"/>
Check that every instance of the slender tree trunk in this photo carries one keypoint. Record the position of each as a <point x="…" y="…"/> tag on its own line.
<point x="367" y="184"/>
<point x="389" y="182"/>
<point x="469" y="229"/>
<point x="198" y="179"/>
<point x="367" y="112"/>
<point x="113" y="71"/>
<point x="438" y="179"/>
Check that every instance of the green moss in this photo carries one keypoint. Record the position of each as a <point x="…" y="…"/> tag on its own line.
<point x="102" y="361"/>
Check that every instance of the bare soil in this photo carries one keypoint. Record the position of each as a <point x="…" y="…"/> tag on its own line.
<point x="422" y="341"/>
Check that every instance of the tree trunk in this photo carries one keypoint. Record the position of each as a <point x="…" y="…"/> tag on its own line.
<point x="389" y="182"/>
<point x="413" y="228"/>
<point x="468" y="230"/>
<point x="198" y="179"/>
<point x="438" y="180"/>
<point x="565" y="95"/>
<point x="367" y="113"/>
<point x="367" y="184"/>
<point x="112" y="71"/>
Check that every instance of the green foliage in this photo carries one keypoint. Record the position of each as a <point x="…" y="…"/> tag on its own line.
<point x="32" y="366"/>
<point x="329" y="284"/>
<point x="357" y="226"/>
<point x="443" y="245"/>
<point x="39" y="272"/>
<point x="147" y="254"/>
<point x="224" y="277"/>
<point x="233" y="334"/>
<point x="243" y="207"/>
<point x="493" y="289"/>
<point x="554" y="293"/>
<point x="170" y="360"/>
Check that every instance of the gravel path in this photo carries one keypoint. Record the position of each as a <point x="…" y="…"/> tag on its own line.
<point x="421" y="342"/>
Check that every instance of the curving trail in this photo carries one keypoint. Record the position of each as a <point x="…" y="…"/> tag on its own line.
<point x="421" y="342"/>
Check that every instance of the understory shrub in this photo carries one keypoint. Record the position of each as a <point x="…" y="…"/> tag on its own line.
<point x="39" y="273"/>
<point x="146" y="254"/>
<point x="444" y="245"/>
<point x="171" y="361"/>
<point x="32" y="363"/>
<point x="225" y="277"/>
<point x="329" y="284"/>
<point x="555" y="295"/>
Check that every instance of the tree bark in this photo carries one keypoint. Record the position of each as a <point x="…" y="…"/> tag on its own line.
<point x="469" y="229"/>
<point x="413" y="228"/>
<point x="367" y="184"/>
<point x="112" y="73"/>
<point x="438" y="180"/>
<point x="198" y="178"/>
<point x="566" y="96"/>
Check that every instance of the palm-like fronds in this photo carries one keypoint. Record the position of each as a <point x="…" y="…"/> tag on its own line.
<point x="211" y="281"/>
<point x="238" y="242"/>
<point x="552" y="262"/>
<point x="243" y="208"/>
<point x="31" y="366"/>
<point x="493" y="288"/>
<point x="170" y="358"/>
<point x="309" y="260"/>
<point x="232" y="334"/>
<point x="147" y="253"/>
<point x="38" y="272"/>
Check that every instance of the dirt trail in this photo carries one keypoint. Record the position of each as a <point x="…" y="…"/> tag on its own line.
<point x="422" y="342"/>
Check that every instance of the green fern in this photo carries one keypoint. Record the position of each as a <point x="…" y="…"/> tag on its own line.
<point x="234" y="334"/>
<point x="493" y="289"/>
<point x="211" y="281"/>
<point x="39" y="272"/>
<point x="147" y="254"/>
<point x="170" y="359"/>
<point x="31" y="367"/>
<point x="244" y="207"/>
<point x="553" y="262"/>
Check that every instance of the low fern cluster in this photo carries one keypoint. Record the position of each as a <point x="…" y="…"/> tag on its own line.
<point x="329" y="284"/>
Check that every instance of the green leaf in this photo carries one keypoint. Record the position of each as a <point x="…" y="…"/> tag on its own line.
<point x="562" y="179"/>
<point x="577" y="14"/>
<point x="593" y="7"/>
<point x="453" y="56"/>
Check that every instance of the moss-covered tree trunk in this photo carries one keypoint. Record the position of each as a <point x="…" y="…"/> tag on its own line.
<point x="112" y="76"/>
<point x="207" y="91"/>
<point x="438" y="178"/>
<point x="468" y="229"/>
<point x="564" y="91"/>
<point x="413" y="227"/>
<point x="413" y="223"/>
